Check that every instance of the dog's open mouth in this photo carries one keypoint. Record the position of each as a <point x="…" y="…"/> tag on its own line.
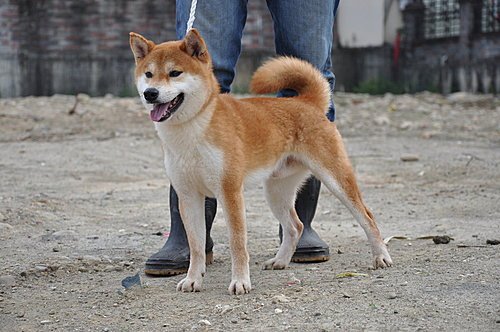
<point x="162" y="112"/>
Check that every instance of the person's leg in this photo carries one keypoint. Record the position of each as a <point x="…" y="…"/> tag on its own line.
<point x="304" y="29"/>
<point x="220" y="23"/>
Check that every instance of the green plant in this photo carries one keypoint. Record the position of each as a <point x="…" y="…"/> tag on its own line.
<point x="379" y="87"/>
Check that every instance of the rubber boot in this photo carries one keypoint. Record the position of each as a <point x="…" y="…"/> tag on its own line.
<point x="311" y="248"/>
<point x="173" y="258"/>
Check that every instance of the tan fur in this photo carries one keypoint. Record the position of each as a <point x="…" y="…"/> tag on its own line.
<point x="229" y="140"/>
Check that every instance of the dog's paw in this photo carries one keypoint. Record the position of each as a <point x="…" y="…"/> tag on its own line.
<point x="274" y="264"/>
<point x="189" y="285"/>
<point x="239" y="287"/>
<point x="382" y="260"/>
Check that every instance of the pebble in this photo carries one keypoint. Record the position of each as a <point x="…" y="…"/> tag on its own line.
<point x="409" y="157"/>
<point x="205" y="322"/>
<point x="7" y="280"/>
<point x="44" y="322"/>
<point x="226" y="308"/>
<point x="346" y="295"/>
<point x="445" y="239"/>
<point x="41" y="268"/>
<point x="391" y="296"/>
<point x="82" y="97"/>
<point x="405" y="125"/>
<point x="278" y="311"/>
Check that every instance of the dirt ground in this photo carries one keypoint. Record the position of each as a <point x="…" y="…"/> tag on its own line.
<point x="84" y="202"/>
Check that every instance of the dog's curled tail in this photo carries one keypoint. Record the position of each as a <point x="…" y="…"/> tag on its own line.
<point x="292" y="73"/>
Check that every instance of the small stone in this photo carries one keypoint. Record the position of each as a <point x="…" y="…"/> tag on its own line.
<point x="493" y="242"/>
<point x="55" y="249"/>
<point x="340" y="252"/>
<point x="82" y="97"/>
<point x="20" y="314"/>
<point x="278" y="311"/>
<point x="409" y="157"/>
<point x="316" y="314"/>
<point x="205" y="322"/>
<point x="445" y="239"/>
<point x="7" y="280"/>
<point x="234" y="321"/>
<point x="41" y="268"/>
<point x="132" y="281"/>
<point x="405" y="125"/>
<point x="226" y="308"/>
<point x="45" y="322"/>
<point x="391" y="295"/>
<point x="346" y="295"/>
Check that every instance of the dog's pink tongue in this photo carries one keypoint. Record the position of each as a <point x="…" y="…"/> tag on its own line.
<point x="158" y="111"/>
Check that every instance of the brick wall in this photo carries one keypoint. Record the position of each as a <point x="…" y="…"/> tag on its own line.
<point x="71" y="46"/>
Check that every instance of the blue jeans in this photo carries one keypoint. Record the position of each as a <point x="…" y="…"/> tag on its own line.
<point x="302" y="28"/>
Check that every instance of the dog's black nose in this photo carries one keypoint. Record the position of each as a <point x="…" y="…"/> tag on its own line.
<point x="150" y="94"/>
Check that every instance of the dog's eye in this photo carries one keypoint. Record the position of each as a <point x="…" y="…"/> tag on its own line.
<point x="149" y="74"/>
<point x="174" y="73"/>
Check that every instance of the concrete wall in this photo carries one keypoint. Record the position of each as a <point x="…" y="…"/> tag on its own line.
<point x="360" y="23"/>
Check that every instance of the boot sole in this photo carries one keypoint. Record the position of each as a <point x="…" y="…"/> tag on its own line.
<point x="311" y="259"/>
<point x="172" y="271"/>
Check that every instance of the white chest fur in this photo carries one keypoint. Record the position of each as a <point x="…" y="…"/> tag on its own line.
<point x="191" y="163"/>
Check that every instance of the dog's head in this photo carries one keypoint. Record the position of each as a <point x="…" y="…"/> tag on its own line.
<point x="174" y="79"/>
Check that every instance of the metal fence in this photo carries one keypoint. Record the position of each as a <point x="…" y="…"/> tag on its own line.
<point x="490" y="16"/>
<point x="441" y="19"/>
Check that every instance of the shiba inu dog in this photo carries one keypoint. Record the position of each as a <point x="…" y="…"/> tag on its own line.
<point x="214" y="143"/>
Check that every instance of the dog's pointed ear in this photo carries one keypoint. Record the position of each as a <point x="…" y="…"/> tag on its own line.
<point x="140" y="46"/>
<point x="194" y="45"/>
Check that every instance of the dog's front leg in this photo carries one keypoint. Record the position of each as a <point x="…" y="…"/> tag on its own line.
<point x="192" y="211"/>
<point x="234" y="209"/>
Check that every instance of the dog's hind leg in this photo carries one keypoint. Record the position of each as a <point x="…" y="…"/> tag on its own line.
<point x="280" y="194"/>
<point x="331" y="166"/>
